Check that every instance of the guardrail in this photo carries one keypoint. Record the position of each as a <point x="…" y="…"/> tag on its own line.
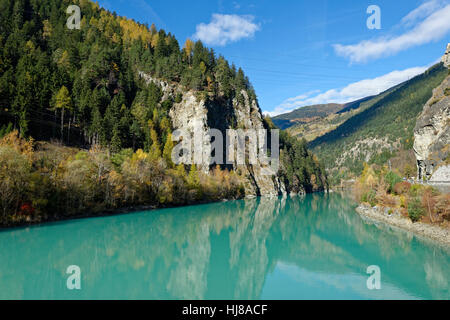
<point x="428" y="182"/>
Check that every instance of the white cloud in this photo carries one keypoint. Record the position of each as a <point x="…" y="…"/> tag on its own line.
<point x="225" y="28"/>
<point x="423" y="11"/>
<point x="302" y="96"/>
<point x="352" y="92"/>
<point x="434" y="24"/>
<point x="236" y="5"/>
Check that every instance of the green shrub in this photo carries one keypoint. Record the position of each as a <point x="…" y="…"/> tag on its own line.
<point x="119" y="158"/>
<point x="4" y="130"/>
<point x="415" y="190"/>
<point x="415" y="209"/>
<point x="392" y="179"/>
<point x="82" y="155"/>
<point x="178" y="98"/>
<point x="370" y="197"/>
<point x="14" y="180"/>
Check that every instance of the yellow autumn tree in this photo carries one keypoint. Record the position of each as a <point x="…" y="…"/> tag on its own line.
<point x="193" y="178"/>
<point x="167" y="152"/>
<point x="155" y="149"/>
<point x="62" y="103"/>
<point x="188" y="49"/>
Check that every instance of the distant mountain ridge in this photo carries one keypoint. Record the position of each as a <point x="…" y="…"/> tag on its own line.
<point x="377" y="129"/>
<point x="310" y="113"/>
<point x="287" y="120"/>
<point x="355" y="104"/>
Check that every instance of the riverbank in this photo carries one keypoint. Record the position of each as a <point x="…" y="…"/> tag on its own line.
<point x="28" y="221"/>
<point x="391" y="217"/>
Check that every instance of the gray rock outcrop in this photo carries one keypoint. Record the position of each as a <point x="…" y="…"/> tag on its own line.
<point x="195" y="113"/>
<point x="432" y="131"/>
<point x="446" y="57"/>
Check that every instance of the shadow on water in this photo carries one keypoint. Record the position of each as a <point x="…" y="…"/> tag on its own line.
<point x="287" y="248"/>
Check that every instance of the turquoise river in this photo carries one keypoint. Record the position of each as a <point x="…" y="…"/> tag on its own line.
<point x="312" y="247"/>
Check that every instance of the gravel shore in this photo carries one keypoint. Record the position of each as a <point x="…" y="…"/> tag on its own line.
<point x="433" y="232"/>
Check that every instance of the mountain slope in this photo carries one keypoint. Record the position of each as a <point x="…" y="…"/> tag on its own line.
<point x="314" y="113"/>
<point x="325" y="119"/>
<point x="382" y="131"/>
<point x="306" y="114"/>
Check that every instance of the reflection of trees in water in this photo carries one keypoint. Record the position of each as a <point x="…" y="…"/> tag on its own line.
<point x="223" y="250"/>
<point x="436" y="275"/>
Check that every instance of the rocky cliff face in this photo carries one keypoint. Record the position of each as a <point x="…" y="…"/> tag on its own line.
<point x="197" y="114"/>
<point x="446" y="57"/>
<point x="432" y="132"/>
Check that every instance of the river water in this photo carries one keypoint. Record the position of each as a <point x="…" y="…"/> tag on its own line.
<point x="312" y="247"/>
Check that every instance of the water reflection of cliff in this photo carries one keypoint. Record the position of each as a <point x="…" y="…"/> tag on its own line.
<point x="217" y="251"/>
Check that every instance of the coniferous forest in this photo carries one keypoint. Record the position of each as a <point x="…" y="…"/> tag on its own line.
<point x="80" y="131"/>
<point x="82" y="86"/>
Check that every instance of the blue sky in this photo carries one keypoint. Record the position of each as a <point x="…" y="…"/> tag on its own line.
<point x="303" y="52"/>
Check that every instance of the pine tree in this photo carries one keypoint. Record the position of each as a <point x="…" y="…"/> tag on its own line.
<point x="18" y="13"/>
<point x="161" y="49"/>
<point x="96" y="126"/>
<point x="224" y="77"/>
<point x="116" y="143"/>
<point x="240" y="80"/>
<point x="154" y="95"/>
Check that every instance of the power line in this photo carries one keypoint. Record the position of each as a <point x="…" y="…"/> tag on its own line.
<point x="304" y="75"/>
<point x="328" y="67"/>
